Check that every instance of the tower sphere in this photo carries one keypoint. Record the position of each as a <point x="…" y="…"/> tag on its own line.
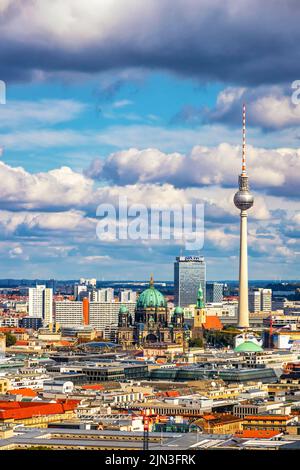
<point x="243" y="200"/>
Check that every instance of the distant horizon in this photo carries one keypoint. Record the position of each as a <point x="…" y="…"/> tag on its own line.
<point x="143" y="280"/>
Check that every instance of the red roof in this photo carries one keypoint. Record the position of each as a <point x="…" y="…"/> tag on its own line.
<point x="21" y="410"/>
<point x="93" y="387"/>
<point x="172" y="393"/>
<point x="8" y="329"/>
<point x="212" y="322"/>
<point x="254" y="433"/>
<point x="25" y="392"/>
<point x="268" y="417"/>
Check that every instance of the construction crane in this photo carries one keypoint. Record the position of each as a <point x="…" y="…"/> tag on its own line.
<point x="146" y="432"/>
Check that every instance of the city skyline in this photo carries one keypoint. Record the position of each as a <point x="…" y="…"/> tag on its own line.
<point x="143" y="110"/>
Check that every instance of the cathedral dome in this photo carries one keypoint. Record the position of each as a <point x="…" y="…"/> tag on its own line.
<point x="151" y="297"/>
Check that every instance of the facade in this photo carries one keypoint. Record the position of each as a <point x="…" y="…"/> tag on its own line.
<point x="214" y="292"/>
<point x="103" y="295"/>
<point x="102" y="316"/>
<point x="40" y="303"/>
<point x="260" y="300"/>
<point x="222" y="309"/>
<point x="88" y="282"/>
<point x="68" y="313"/>
<point x="127" y="295"/>
<point x="153" y="323"/>
<point x="2" y="345"/>
<point x="33" y="323"/>
<point x="80" y="291"/>
<point x="189" y="272"/>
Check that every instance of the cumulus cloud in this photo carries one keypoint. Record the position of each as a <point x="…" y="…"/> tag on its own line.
<point x="270" y="108"/>
<point x="275" y="170"/>
<point x="211" y="39"/>
<point x="57" y="188"/>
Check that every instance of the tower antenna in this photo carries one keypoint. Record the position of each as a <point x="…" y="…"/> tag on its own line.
<point x="244" y="141"/>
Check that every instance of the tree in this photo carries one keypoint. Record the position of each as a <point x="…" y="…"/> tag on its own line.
<point x="197" y="342"/>
<point x="10" y="339"/>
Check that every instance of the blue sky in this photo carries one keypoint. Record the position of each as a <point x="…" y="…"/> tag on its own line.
<point x="110" y="99"/>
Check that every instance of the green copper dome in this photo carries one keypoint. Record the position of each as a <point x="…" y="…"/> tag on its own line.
<point x="151" y="297"/>
<point x="178" y="310"/>
<point x="123" y="309"/>
<point x="248" y="346"/>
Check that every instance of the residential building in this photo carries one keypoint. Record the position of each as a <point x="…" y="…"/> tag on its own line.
<point x="127" y="295"/>
<point x="40" y="303"/>
<point x="103" y="295"/>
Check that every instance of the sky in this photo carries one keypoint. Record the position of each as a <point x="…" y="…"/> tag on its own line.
<point x="143" y="100"/>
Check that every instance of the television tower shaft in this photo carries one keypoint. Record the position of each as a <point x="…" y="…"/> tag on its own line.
<point x="243" y="200"/>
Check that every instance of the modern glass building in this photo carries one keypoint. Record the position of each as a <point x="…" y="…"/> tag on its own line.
<point x="189" y="273"/>
<point x="214" y="292"/>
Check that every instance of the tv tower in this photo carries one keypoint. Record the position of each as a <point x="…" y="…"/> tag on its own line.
<point x="243" y="200"/>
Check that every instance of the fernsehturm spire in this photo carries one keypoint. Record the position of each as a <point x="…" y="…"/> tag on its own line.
<point x="243" y="200"/>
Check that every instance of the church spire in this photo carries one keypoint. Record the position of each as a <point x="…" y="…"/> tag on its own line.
<point x="151" y="283"/>
<point x="200" y="299"/>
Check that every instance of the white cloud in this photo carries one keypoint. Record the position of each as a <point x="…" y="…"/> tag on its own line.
<point x="269" y="107"/>
<point x="276" y="170"/>
<point x="36" y="113"/>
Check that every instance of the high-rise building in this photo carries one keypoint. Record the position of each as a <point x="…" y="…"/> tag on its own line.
<point x="127" y="295"/>
<point x="103" y="295"/>
<point x="41" y="303"/>
<point x="80" y="291"/>
<point x="88" y="282"/>
<point x="214" y="292"/>
<point x="260" y="300"/>
<point x="243" y="200"/>
<point x="254" y="301"/>
<point x="189" y="272"/>
<point x="266" y="300"/>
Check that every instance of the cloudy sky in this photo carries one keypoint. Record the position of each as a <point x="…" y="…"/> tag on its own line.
<point x="110" y="98"/>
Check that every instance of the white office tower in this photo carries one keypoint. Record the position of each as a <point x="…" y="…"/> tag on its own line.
<point x="243" y="200"/>
<point x="41" y="303"/>
<point x="88" y="282"/>
<point x="254" y="301"/>
<point x="80" y="291"/>
<point x="266" y="300"/>
<point x="103" y="295"/>
<point x="127" y="295"/>
<point x="260" y="300"/>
